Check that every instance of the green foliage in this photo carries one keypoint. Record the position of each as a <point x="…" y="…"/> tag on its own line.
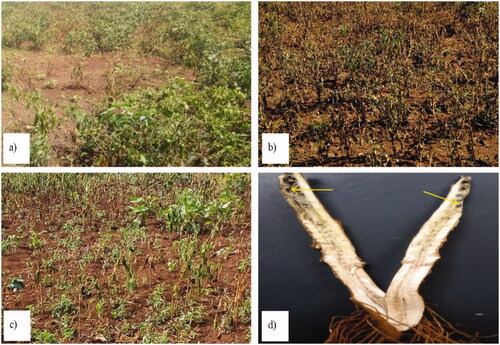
<point x="155" y="338"/>
<point x="486" y="118"/>
<point x="131" y="236"/>
<point x="177" y="124"/>
<point x="35" y="240"/>
<point x="244" y="264"/>
<point x="245" y="311"/>
<point x="40" y="151"/>
<point x="67" y="331"/>
<point x="44" y="122"/>
<point x="190" y="214"/>
<point x="142" y="208"/>
<point x="32" y="29"/>
<point x="43" y="337"/>
<point x="119" y="311"/>
<point x="194" y="263"/>
<point x="111" y="27"/>
<point x="319" y="126"/>
<point x="6" y="77"/>
<point x="48" y="263"/>
<point x="99" y="307"/>
<point x="172" y="265"/>
<point x="214" y="39"/>
<point x="45" y="119"/>
<point x="63" y="306"/>
<point x="194" y="314"/>
<point x="10" y="242"/>
<point x="160" y="310"/>
<point x="51" y="84"/>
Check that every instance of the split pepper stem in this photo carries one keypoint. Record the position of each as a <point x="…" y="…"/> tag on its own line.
<point x="402" y="307"/>
<point x="329" y="236"/>
<point x="403" y="301"/>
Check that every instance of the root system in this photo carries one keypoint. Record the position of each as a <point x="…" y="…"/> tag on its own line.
<point x="362" y="327"/>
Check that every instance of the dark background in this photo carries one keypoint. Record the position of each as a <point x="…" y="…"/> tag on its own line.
<point x="381" y="213"/>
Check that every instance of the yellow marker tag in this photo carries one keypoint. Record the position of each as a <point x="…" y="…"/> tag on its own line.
<point x="296" y="190"/>
<point x="454" y="202"/>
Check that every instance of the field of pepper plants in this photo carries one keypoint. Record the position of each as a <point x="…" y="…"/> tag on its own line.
<point x="128" y="258"/>
<point x="128" y="83"/>
<point x="381" y="83"/>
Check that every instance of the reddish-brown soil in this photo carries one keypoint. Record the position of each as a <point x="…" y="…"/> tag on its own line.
<point x="381" y="84"/>
<point x="84" y="81"/>
<point x="46" y="214"/>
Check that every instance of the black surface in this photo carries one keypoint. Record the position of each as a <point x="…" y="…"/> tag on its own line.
<point x="381" y="213"/>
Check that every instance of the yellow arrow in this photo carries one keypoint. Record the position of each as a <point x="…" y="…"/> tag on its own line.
<point x="295" y="190"/>
<point x="454" y="202"/>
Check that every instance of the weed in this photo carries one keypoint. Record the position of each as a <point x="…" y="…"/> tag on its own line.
<point x="119" y="310"/>
<point x="67" y="331"/>
<point x="35" y="240"/>
<point x="10" y="243"/>
<point x="51" y="84"/>
<point x="63" y="306"/>
<point x="244" y="264"/>
<point x="99" y="307"/>
<point x="43" y="337"/>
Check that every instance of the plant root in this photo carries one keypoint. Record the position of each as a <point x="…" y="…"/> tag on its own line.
<point x="362" y="327"/>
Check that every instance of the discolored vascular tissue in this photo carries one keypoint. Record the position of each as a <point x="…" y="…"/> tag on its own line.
<point x="381" y="83"/>
<point x="128" y="258"/>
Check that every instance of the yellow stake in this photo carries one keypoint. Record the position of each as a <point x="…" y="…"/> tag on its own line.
<point x="454" y="202"/>
<point x="295" y="190"/>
